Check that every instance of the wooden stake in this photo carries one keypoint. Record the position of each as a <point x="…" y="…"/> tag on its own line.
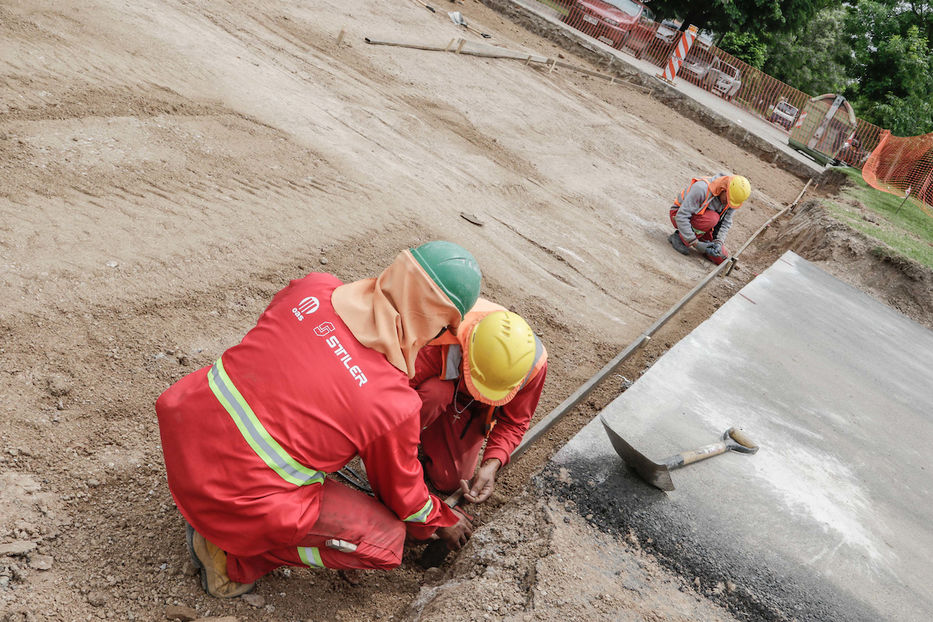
<point x="447" y="49"/>
<point x="528" y="60"/>
<point x="340" y="36"/>
<point x="460" y="45"/>
<point x="553" y="64"/>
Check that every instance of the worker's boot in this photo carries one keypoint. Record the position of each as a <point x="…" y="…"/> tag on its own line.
<point x="212" y="563"/>
<point x="678" y="244"/>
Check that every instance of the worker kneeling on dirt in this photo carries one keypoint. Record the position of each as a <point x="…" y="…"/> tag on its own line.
<point x="321" y="378"/>
<point x="482" y="382"/>
<point x="703" y="214"/>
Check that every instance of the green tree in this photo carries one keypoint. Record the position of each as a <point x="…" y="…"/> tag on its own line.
<point x="745" y="46"/>
<point x="741" y="16"/>
<point x="892" y="65"/>
<point x="813" y="59"/>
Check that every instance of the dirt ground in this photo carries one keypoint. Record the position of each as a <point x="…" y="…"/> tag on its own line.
<point x="166" y="167"/>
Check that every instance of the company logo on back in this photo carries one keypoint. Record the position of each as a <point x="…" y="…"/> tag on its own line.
<point x="322" y="329"/>
<point x="307" y="306"/>
<point x="325" y="328"/>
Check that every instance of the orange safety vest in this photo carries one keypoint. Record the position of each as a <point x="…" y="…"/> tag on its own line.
<point x="452" y="347"/>
<point x="720" y="184"/>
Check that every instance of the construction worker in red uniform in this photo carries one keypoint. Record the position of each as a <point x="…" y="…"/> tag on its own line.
<point x="479" y="383"/>
<point x="321" y="378"/>
<point x="703" y="212"/>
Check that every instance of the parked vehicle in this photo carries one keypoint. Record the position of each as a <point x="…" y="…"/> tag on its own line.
<point x="610" y="21"/>
<point x="723" y="79"/>
<point x="784" y="114"/>
<point x="704" y="39"/>
<point x="711" y="73"/>
<point x="696" y="65"/>
<point x="668" y="31"/>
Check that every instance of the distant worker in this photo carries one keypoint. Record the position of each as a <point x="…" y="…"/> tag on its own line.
<point x="321" y="378"/>
<point x="702" y="214"/>
<point x="479" y="384"/>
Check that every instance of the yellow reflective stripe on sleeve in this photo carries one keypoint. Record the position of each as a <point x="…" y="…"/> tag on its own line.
<point x="310" y="556"/>
<point x="255" y="434"/>
<point x="421" y="515"/>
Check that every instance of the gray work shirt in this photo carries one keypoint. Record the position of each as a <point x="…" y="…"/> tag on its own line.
<point x="693" y="202"/>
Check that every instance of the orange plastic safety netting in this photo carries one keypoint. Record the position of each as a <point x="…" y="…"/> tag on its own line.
<point x="903" y="166"/>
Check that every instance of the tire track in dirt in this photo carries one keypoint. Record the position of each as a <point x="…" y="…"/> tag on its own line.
<point x="97" y="187"/>
<point x="446" y="118"/>
<point x="563" y="260"/>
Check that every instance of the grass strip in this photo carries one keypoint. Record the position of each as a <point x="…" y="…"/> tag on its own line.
<point x="903" y="226"/>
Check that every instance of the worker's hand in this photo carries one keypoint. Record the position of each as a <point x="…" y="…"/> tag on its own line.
<point x="484" y="482"/>
<point x="703" y="247"/>
<point x="456" y="535"/>
<point x="715" y="249"/>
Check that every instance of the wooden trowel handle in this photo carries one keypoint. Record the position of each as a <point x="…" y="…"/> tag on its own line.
<point x="695" y="455"/>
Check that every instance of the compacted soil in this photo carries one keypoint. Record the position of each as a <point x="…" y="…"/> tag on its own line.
<point x="167" y="166"/>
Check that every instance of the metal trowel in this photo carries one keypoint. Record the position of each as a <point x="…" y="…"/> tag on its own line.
<point x="659" y="474"/>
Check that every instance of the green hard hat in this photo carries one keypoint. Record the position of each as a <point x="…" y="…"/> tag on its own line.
<point x="454" y="270"/>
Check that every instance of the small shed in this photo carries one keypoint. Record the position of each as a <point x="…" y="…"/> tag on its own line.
<point x="824" y="126"/>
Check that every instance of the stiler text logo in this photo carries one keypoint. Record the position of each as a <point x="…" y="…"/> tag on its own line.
<point x="346" y="359"/>
<point x="306" y="307"/>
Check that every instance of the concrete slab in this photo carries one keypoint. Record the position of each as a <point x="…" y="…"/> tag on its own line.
<point x="833" y="518"/>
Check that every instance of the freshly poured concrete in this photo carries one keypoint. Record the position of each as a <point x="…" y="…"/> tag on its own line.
<point x="833" y="517"/>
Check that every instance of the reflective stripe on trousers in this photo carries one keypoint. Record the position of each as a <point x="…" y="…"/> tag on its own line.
<point x="310" y="556"/>
<point x="266" y="447"/>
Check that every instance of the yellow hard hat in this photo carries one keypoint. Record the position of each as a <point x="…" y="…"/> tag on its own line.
<point x="499" y="354"/>
<point x="738" y="191"/>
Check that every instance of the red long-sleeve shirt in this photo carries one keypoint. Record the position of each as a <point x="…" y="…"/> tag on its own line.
<point x="317" y="393"/>
<point x="512" y="419"/>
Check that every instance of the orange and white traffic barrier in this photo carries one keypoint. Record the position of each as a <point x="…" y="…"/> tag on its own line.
<point x="679" y="54"/>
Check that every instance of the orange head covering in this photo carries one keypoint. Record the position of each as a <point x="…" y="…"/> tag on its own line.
<point x="719" y="187"/>
<point x="396" y="313"/>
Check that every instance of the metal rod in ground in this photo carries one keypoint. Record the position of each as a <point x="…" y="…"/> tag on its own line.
<point x="765" y="226"/>
<point x="586" y="388"/>
<point x="356" y="475"/>
<point x="357" y="483"/>
<point x="902" y="202"/>
<point x="577" y="396"/>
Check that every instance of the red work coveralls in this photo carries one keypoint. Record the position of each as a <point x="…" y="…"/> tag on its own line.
<point x="247" y="441"/>
<point x="705" y="220"/>
<point x="454" y="429"/>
